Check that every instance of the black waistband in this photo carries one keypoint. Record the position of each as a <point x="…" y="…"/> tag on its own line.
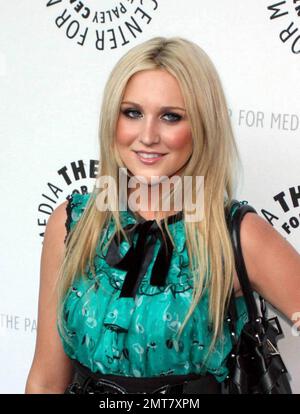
<point x="86" y="381"/>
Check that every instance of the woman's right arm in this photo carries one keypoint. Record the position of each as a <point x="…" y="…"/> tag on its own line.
<point x="51" y="370"/>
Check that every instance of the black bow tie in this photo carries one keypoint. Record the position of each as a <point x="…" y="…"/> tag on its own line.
<point x="138" y="257"/>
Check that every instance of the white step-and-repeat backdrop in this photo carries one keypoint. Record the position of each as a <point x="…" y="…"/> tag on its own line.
<point x="55" y="57"/>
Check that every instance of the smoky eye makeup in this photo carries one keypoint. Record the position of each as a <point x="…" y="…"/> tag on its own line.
<point x="128" y="111"/>
<point x="174" y="116"/>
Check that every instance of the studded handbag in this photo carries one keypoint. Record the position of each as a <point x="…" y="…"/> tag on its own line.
<point x="255" y="364"/>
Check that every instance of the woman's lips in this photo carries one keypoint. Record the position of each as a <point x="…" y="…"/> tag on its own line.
<point x="149" y="161"/>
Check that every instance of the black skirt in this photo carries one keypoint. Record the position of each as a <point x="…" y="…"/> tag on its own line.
<point x="87" y="382"/>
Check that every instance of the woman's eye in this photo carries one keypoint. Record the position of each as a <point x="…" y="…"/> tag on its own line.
<point x="174" y="117"/>
<point x="128" y="113"/>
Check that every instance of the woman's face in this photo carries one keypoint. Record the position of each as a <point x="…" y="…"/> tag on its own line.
<point x="153" y="119"/>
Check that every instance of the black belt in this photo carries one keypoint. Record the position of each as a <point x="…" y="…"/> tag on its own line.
<point x="87" y="382"/>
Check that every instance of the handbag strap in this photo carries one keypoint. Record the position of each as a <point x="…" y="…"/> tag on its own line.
<point x="234" y="217"/>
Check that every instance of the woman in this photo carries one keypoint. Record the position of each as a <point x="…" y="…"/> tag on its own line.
<point x="147" y="307"/>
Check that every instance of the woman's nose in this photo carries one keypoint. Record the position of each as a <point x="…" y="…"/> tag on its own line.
<point x="149" y="133"/>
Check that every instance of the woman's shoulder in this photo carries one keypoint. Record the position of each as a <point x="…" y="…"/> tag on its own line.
<point x="59" y="214"/>
<point x="55" y="232"/>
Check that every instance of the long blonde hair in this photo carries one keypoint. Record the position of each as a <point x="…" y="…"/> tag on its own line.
<point x="215" y="156"/>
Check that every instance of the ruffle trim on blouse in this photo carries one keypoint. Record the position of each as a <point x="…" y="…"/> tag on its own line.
<point x="126" y="264"/>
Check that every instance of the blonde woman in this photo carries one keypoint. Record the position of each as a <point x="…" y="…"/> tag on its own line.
<point x="135" y="300"/>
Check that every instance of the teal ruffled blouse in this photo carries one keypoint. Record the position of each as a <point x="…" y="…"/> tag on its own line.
<point x="115" y="326"/>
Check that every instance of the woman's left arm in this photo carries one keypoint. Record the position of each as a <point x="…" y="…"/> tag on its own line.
<point x="272" y="263"/>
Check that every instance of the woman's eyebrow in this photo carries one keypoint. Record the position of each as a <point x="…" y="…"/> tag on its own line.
<point x="163" y="108"/>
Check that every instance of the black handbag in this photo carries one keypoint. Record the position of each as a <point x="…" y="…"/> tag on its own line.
<point x="255" y="364"/>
